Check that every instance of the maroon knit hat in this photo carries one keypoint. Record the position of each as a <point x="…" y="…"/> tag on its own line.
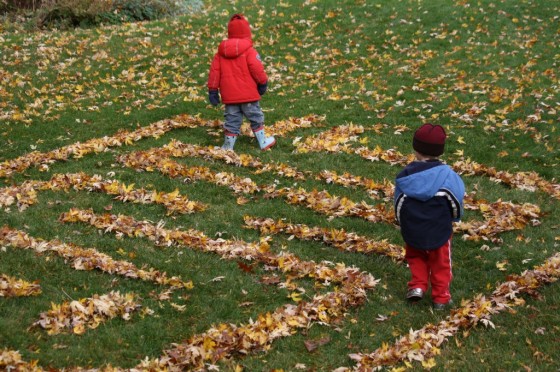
<point x="238" y="27"/>
<point x="429" y="139"/>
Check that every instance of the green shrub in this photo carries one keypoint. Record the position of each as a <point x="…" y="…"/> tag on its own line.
<point x="87" y="13"/>
<point x="5" y="6"/>
<point x="71" y="13"/>
<point x="140" y="10"/>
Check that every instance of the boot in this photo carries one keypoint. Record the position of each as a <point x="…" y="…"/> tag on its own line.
<point x="264" y="142"/>
<point x="229" y="141"/>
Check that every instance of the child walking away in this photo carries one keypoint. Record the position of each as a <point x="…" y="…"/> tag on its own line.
<point x="237" y="74"/>
<point x="428" y="198"/>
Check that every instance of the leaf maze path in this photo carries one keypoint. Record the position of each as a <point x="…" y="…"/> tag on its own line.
<point x="25" y="194"/>
<point x="226" y="340"/>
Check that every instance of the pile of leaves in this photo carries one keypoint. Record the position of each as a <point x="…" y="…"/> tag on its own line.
<point x="346" y="241"/>
<point x="13" y="287"/>
<point x="87" y="313"/>
<point x="25" y="195"/>
<point x="10" y="359"/>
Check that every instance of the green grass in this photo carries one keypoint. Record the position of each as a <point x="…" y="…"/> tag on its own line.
<point x="391" y="63"/>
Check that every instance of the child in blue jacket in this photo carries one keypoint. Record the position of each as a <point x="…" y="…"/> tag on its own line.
<point x="428" y="198"/>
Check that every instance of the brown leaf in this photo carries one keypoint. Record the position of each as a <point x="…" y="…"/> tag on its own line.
<point x="270" y="280"/>
<point x="245" y="267"/>
<point x="246" y="304"/>
<point x="312" y="345"/>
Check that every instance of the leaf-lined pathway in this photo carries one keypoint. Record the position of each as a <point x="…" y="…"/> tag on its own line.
<point x="25" y="194"/>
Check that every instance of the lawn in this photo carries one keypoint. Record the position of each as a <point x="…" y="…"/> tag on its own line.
<point x="129" y="239"/>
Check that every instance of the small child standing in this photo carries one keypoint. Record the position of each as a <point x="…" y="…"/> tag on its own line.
<point x="428" y="198"/>
<point x="237" y="73"/>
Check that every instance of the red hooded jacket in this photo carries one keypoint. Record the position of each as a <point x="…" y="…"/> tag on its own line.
<point x="237" y="68"/>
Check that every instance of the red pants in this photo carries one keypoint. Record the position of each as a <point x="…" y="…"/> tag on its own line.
<point x="432" y="267"/>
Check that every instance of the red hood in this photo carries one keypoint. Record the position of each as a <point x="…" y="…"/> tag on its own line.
<point x="233" y="48"/>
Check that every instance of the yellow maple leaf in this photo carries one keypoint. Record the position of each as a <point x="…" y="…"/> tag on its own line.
<point x="79" y="329"/>
<point x="461" y="140"/>
<point x="127" y="189"/>
<point x="242" y="200"/>
<point x="295" y="296"/>
<point x="208" y="344"/>
<point x="502" y="265"/>
<point x="502" y="154"/>
<point x="173" y="195"/>
<point x="429" y="364"/>
<point x="178" y="307"/>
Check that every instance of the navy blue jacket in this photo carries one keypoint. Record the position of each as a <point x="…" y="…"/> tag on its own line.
<point x="428" y="198"/>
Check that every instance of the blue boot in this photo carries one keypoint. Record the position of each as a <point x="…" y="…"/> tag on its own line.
<point x="229" y="141"/>
<point x="264" y="142"/>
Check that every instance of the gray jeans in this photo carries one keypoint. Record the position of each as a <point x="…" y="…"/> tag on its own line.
<point x="234" y="116"/>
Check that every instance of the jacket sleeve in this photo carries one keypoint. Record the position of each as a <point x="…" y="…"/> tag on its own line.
<point x="256" y="67"/>
<point x="397" y="204"/>
<point x="214" y="74"/>
<point x="455" y="196"/>
<point x="460" y="196"/>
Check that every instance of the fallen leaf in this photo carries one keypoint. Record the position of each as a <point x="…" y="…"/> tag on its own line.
<point x="242" y="200"/>
<point x="270" y="280"/>
<point x="246" y="268"/>
<point x="381" y="318"/>
<point x="502" y="265"/>
<point x="312" y="345"/>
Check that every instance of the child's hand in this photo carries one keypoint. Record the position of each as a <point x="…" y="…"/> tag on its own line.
<point x="262" y="88"/>
<point x="214" y="97"/>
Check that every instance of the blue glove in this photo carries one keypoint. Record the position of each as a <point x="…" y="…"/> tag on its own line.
<point x="214" y="97"/>
<point x="262" y="88"/>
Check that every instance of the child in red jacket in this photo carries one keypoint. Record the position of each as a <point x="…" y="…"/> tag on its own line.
<point x="237" y="73"/>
